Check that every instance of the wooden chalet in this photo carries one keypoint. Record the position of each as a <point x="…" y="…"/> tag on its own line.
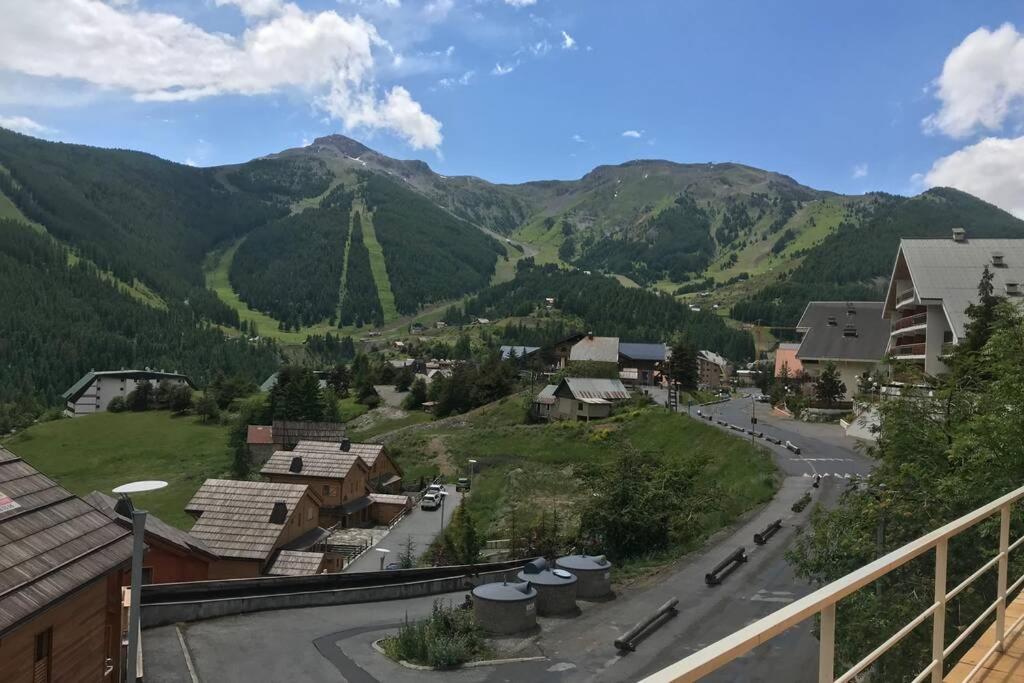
<point x="284" y="435"/>
<point x="246" y="523"/>
<point x="60" y="565"/>
<point x="172" y="555"/>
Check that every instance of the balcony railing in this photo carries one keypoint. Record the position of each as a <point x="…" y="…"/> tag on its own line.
<point x="910" y="321"/>
<point x="823" y="603"/>
<point x="905" y="296"/>
<point x="908" y="350"/>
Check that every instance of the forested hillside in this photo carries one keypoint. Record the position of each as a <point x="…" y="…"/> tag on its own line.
<point x="131" y="213"/>
<point x="59" y="321"/>
<point x="608" y="308"/>
<point x="360" y="302"/>
<point x="430" y="254"/>
<point x="854" y="262"/>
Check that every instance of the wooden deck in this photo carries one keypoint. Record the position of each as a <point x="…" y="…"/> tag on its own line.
<point x="1000" y="667"/>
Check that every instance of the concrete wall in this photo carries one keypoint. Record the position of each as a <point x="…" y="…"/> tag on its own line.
<point x="103" y="389"/>
<point x="196" y="610"/>
<point x="934" y="334"/>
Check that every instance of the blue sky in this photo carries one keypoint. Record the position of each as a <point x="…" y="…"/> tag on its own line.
<point x="849" y="97"/>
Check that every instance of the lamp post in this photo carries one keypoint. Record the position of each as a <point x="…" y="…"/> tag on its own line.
<point x="472" y="471"/>
<point x="383" y="555"/>
<point x="138" y="518"/>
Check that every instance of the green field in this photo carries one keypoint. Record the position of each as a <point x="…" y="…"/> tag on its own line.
<point x="378" y="267"/>
<point x="531" y="466"/>
<point x="99" y="452"/>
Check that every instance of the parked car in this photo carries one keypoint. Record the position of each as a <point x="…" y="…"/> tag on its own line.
<point x="393" y="565"/>
<point x="431" y="501"/>
<point x="763" y="398"/>
<point x="436" y="489"/>
<point x="462" y="484"/>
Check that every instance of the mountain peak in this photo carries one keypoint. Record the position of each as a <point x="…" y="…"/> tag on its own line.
<point x="343" y="144"/>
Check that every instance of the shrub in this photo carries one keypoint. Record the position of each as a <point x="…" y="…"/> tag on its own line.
<point x="447" y="638"/>
<point x="117" y="405"/>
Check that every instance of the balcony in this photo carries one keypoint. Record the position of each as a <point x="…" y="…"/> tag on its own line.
<point x="908" y="351"/>
<point x="905" y="297"/>
<point x="997" y="654"/>
<point x="909" y="323"/>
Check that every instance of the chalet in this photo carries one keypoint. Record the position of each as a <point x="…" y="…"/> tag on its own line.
<point x="94" y="391"/>
<point x="852" y="335"/>
<point x="172" y="555"/>
<point x="60" y="566"/>
<point x="345" y="475"/>
<point x="284" y="435"/>
<point x="562" y="349"/>
<point x="584" y="398"/>
<point x="246" y="524"/>
<point x="641" y="363"/>
<point x="591" y="349"/>
<point x="544" y="402"/>
<point x="713" y="370"/>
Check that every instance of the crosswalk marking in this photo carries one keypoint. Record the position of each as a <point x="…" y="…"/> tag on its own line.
<point x="772" y="596"/>
<point x="837" y="475"/>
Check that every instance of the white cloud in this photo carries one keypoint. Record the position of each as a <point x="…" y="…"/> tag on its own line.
<point x="632" y="133"/>
<point x="161" y="57"/>
<point x="452" y="81"/>
<point x="189" y="161"/>
<point x="860" y="170"/>
<point x="23" y="124"/>
<point x="435" y="10"/>
<point x="576" y="137"/>
<point x="540" y="48"/>
<point x="981" y="84"/>
<point x="503" y="69"/>
<point x="992" y="169"/>
<point x="568" y="42"/>
<point x="520" y="3"/>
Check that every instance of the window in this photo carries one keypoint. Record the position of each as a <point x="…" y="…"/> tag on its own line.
<point x="41" y="665"/>
<point x="327" y="490"/>
<point x="579" y="406"/>
<point x="147" y="575"/>
<point x="309" y="513"/>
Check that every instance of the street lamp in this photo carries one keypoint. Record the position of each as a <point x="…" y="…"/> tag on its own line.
<point x="383" y="555"/>
<point x="138" y="548"/>
<point x="472" y="470"/>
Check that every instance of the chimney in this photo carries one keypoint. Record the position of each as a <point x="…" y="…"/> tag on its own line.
<point x="296" y="465"/>
<point x="997" y="259"/>
<point x="850" y="331"/>
<point x="959" y="235"/>
<point x="346" y="444"/>
<point x="279" y="515"/>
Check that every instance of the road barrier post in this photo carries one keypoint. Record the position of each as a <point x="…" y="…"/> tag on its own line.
<point x="627" y="640"/>
<point x="769" y="531"/>
<point x="714" y="577"/>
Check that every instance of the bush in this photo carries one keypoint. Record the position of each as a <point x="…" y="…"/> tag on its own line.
<point x="447" y="638"/>
<point x="117" y="405"/>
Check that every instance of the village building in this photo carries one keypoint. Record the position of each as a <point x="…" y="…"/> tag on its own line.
<point x="246" y="523"/>
<point x="585" y="398"/>
<point x="270" y="382"/>
<point x="714" y="371"/>
<point x="786" y="363"/>
<point x="519" y="352"/>
<point x="933" y="282"/>
<point x="60" y="591"/>
<point x="852" y="335"/>
<point x="284" y="435"/>
<point x="96" y="389"/>
<point x="544" y="402"/>
<point x="171" y="556"/>
<point x="346" y="476"/>
<point x="592" y="349"/>
<point x="558" y="356"/>
<point x="641" y="363"/>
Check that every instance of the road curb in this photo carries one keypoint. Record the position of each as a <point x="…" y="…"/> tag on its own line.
<point x="468" y="665"/>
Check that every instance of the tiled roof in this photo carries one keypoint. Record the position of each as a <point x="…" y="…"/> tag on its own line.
<point x="712" y="357"/>
<point x="291" y="432"/>
<point x="51" y="542"/>
<point x="633" y="351"/>
<point x="235" y="515"/>
<point x="600" y="349"/>
<point x="588" y="388"/>
<point x="844" y="330"/>
<point x="260" y="434"/>
<point x="321" y="463"/>
<point x="369" y="452"/>
<point x="154" y="525"/>
<point x="295" y="563"/>
<point x="389" y="498"/>
<point x="520" y="351"/>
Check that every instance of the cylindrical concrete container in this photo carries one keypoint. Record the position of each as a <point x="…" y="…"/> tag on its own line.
<point x="556" y="591"/>
<point x="593" y="571"/>
<point x="505" y="608"/>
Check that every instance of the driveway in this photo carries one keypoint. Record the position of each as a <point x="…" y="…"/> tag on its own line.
<point x="422" y="526"/>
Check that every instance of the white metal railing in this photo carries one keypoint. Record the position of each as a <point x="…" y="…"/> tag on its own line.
<point x="823" y="603"/>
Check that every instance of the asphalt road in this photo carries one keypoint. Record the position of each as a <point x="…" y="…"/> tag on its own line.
<point x="334" y="643"/>
<point x="421" y="525"/>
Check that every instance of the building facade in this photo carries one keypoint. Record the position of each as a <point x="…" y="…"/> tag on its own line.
<point x="95" y="390"/>
<point x="713" y="370"/>
<point x="851" y="335"/>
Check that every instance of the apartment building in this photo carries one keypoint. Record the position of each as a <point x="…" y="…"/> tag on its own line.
<point x="852" y="335"/>
<point x="96" y="389"/>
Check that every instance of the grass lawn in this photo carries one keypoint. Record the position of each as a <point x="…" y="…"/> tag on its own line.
<point x="378" y="267"/>
<point x="530" y="468"/>
<point x="382" y="426"/>
<point x="103" y="450"/>
<point x="351" y="409"/>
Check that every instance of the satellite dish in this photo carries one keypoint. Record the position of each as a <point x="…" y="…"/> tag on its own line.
<point x="140" y="487"/>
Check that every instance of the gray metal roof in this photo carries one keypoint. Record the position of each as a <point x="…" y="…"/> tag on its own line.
<point x="520" y="351"/>
<point x="824" y="341"/>
<point x="600" y="349"/>
<point x="505" y="592"/>
<point x="590" y="387"/>
<point x="546" y="395"/>
<point x="949" y="271"/>
<point x="634" y="351"/>
<point x="716" y="358"/>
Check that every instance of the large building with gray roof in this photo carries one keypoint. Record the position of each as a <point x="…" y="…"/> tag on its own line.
<point x="852" y="335"/>
<point x="934" y="281"/>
